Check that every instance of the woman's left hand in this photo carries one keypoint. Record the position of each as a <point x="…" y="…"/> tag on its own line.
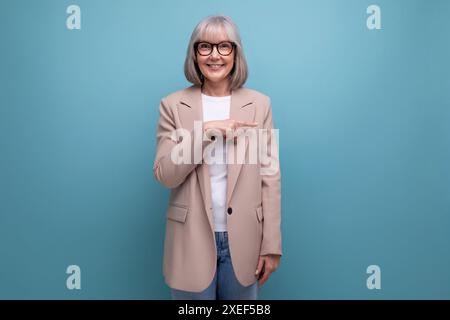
<point x="266" y="265"/>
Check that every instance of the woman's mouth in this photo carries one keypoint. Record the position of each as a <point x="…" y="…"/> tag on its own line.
<point x="214" y="66"/>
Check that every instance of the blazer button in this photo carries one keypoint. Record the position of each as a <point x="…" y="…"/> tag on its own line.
<point x="230" y="211"/>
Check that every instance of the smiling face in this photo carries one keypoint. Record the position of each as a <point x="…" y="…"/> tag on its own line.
<point x="216" y="67"/>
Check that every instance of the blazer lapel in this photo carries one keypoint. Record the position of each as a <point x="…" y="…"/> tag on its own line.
<point x="242" y="109"/>
<point x="190" y="109"/>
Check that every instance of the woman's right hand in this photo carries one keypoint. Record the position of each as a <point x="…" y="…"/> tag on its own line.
<point x="226" y="126"/>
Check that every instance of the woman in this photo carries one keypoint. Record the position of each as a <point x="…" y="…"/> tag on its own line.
<point x="223" y="220"/>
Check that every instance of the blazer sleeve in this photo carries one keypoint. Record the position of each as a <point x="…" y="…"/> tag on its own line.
<point x="271" y="190"/>
<point x="165" y="170"/>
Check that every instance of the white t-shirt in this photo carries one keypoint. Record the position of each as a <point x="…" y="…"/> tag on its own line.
<point x="218" y="108"/>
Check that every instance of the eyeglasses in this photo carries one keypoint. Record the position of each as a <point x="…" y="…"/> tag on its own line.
<point x="225" y="48"/>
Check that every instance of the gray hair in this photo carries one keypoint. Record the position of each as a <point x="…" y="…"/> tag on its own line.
<point x="208" y="27"/>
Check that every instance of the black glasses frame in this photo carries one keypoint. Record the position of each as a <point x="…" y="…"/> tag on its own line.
<point x="233" y="45"/>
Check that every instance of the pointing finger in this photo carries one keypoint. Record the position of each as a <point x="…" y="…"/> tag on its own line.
<point x="246" y="124"/>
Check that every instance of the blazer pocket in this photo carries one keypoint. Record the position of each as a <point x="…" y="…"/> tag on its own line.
<point x="177" y="213"/>
<point x="259" y="214"/>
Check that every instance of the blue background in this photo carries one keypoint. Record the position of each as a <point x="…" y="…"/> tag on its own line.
<point x="364" y="142"/>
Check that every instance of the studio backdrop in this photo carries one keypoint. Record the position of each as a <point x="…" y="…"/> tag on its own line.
<point x="360" y="95"/>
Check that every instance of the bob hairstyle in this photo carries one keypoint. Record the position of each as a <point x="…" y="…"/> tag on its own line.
<point x="206" y="29"/>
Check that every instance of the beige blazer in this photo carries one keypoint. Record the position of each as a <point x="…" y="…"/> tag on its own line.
<point x="253" y="199"/>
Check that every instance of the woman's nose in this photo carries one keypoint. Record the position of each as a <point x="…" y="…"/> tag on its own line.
<point x="215" y="52"/>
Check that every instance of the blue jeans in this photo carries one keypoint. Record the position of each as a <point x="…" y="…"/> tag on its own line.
<point x="224" y="286"/>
